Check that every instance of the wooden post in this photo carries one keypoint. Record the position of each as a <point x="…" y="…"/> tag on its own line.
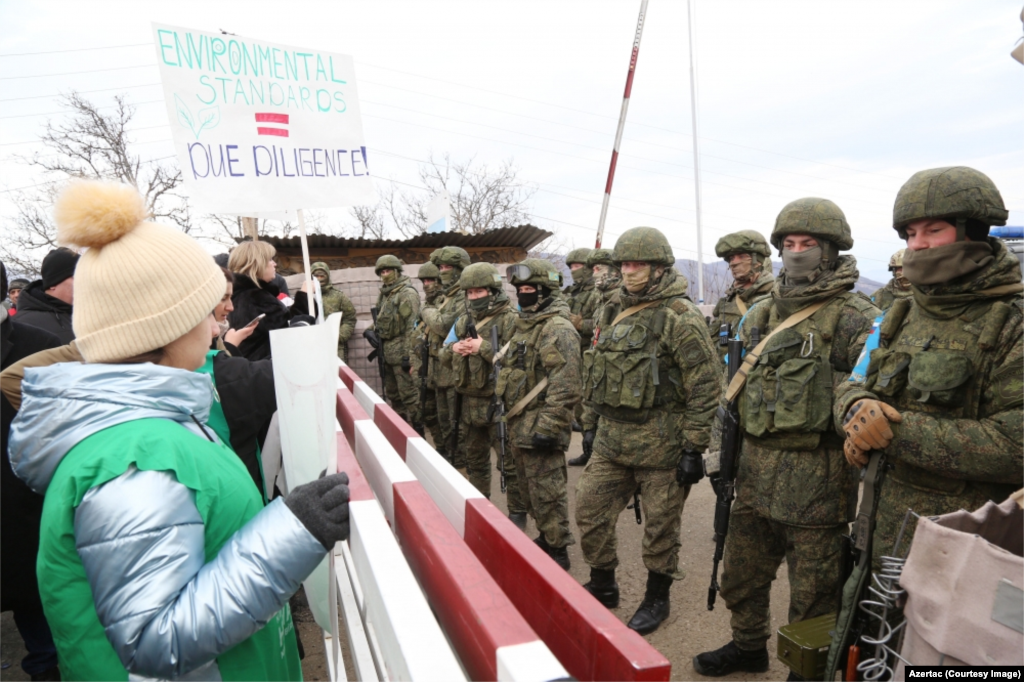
<point x="250" y="228"/>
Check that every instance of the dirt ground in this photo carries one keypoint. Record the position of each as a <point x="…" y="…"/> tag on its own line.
<point x="689" y="630"/>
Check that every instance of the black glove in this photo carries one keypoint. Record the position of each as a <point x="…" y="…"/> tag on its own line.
<point x="322" y="507"/>
<point x="371" y="336"/>
<point x="690" y="468"/>
<point x="542" y="442"/>
<point x="302" y="321"/>
<point x="588" y="442"/>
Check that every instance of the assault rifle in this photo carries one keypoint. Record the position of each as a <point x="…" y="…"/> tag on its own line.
<point x="377" y="353"/>
<point x="453" y="440"/>
<point x="725" y="489"/>
<point x="424" y="372"/>
<point x="498" y="407"/>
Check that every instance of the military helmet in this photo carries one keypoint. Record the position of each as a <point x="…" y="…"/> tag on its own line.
<point x="535" y="271"/>
<point x="578" y="256"/>
<point x="600" y="257"/>
<point x="646" y="244"/>
<point x="480" y="276"/>
<point x="744" y="241"/>
<point x="388" y="261"/>
<point x="319" y="265"/>
<point x="896" y="260"/>
<point x="428" y="271"/>
<point x="450" y="255"/>
<point x="817" y="217"/>
<point x="953" y="192"/>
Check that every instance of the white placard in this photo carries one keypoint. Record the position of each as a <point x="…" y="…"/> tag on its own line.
<point x="261" y="127"/>
<point x="438" y="213"/>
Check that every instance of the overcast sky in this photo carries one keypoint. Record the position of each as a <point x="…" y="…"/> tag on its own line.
<point x="843" y="100"/>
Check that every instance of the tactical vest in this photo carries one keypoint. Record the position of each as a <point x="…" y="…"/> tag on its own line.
<point x="628" y="372"/>
<point x="523" y="368"/>
<point x="390" y="324"/>
<point x="940" y="367"/>
<point x="472" y="373"/>
<point x="442" y="377"/>
<point x="787" y="401"/>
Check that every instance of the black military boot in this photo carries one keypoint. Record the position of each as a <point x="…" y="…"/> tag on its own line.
<point x="603" y="586"/>
<point x="729" y="659"/>
<point x="518" y="518"/>
<point x="559" y="554"/>
<point x="655" y="606"/>
<point x="580" y="461"/>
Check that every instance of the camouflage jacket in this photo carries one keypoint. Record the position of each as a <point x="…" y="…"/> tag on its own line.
<point x="336" y="301"/>
<point x="651" y="382"/>
<point x="728" y="311"/>
<point x="438" y="317"/>
<point x="544" y="345"/>
<point x="397" y="307"/>
<point x="792" y="468"/>
<point x="608" y="297"/>
<point x="951" y="360"/>
<point x="422" y="340"/>
<point x="473" y="374"/>
<point x="884" y="297"/>
<point x="584" y="300"/>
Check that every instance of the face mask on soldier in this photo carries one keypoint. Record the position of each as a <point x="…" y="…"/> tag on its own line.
<point x="527" y="299"/>
<point x="388" y="276"/>
<point x="636" y="281"/>
<point x="741" y="265"/>
<point x="479" y="305"/>
<point x="446" y="276"/>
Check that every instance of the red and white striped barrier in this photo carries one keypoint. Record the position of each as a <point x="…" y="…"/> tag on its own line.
<point x="491" y="638"/>
<point x="586" y="638"/>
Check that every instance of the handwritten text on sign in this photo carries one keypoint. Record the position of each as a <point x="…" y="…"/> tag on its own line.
<point x="262" y="127"/>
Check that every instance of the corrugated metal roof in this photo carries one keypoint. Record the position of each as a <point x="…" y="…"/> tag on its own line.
<point x="522" y="236"/>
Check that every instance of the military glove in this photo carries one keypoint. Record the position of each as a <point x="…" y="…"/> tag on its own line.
<point x="690" y="468"/>
<point x="543" y="442"/>
<point x="322" y="507"/>
<point x="854" y="455"/>
<point x="371" y="337"/>
<point x="588" y="442"/>
<point x="867" y="424"/>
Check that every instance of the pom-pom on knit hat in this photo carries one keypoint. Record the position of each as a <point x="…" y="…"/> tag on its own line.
<point x="139" y="285"/>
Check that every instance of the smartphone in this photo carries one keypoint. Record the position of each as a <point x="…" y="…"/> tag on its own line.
<point x="256" y="321"/>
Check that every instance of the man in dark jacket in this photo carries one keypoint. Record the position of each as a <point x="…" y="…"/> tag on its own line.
<point x="13" y="291"/>
<point x="20" y="515"/>
<point x="47" y="302"/>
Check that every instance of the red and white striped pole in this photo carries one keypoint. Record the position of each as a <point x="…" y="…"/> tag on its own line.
<point x="622" y="122"/>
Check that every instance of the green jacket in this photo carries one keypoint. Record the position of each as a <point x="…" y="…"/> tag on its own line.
<point x="884" y="297"/>
<point x="335" y="301"/>
<point x="951" y="360"/>
<point x="550" y="348"/>
<point x="398" y="306"/>
<point x="473" y="374"/>
<point x="792" y="468"/>
<point x="728" y="311"/>
<point x="439" y="316"/>
<point x="651" y="382"/>
<point x="584" y="300"/>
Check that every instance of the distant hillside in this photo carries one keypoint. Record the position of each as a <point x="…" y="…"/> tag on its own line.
<point x="717" y="278"/>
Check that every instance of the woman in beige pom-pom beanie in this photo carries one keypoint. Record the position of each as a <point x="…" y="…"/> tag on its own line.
<point x="157" y="556"/>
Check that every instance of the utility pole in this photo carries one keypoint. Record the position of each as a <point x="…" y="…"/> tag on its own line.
<point x="250" y="229"/>
<point x="696" y="155"/>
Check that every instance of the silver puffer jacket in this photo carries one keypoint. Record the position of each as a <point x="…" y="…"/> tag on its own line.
<point x="167" y="613"/>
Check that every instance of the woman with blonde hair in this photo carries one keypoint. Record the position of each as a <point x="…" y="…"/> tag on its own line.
<point x="256" y="294"/>
<point x="157" y="557"/>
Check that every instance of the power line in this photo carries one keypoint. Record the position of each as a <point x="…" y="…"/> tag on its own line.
<point x="11" y="144"/>
<point x="50" y="182"/>
<point x="80" y="49"/>
<point x="81" y="92"/>
<point x="52" y="113"/>
<point x="75" y="73"/>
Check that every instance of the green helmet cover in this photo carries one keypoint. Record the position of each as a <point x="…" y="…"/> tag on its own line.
<point x="578" y="256"/>
<point x="428" y="271"/>
<point x="643" y="244"/>
<point x="450" y="255"/>
<point x="535" y="271"/>
<point x="744" y="241"/>
<point x="896" y="261"/>
<point x="819" y="218"/>
<point x="480" y="276"/>
<point x="952" y="192"/>
<point x="600" y="257"/>
<point x="319" y="265"/>
<point x="388" y="261"/>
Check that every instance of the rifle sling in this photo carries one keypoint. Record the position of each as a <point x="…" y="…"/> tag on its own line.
<point x="632" y="310"/>
<point x="863" y="525"/>
<point x="521" y="405"/>
<point x="741" y="304"/>
<point x="738" y="381"/>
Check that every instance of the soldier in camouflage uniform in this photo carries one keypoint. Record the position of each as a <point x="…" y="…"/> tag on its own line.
<point x="943" y="396"/>
<point x="607" y="280"/>
<point x="430" y="279"/>
<point x="397" y="308"/>
<point x="750" y="263"/>
<point x="584" y="298"/>
<point x="438" y="317"/>
<point x="897" y="287"/>
<point x="335" y="301"/>
<point x="795" y="492"/>
<point x="470" y="362"/>
<point x="540" y="384"/>
<point x="651" y="386"/>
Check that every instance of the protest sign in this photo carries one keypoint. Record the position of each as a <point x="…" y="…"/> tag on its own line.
<point x="261" y="127"/>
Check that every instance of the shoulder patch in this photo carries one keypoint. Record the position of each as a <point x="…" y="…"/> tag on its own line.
<point x="692" y="352"/>
<point x="551" y="357"/>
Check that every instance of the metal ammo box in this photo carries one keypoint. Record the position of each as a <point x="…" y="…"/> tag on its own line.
<point x="804" y="646"/>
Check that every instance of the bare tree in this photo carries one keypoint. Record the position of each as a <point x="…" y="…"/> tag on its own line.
<point x="481" y="199"/>
<point x="87" y="144"/>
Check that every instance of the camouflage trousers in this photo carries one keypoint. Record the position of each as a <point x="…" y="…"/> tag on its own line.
<point x="445" y="400"/>
<point x="542" y="484"/>
<point x="754" y="549"/>
<point x="429" y="413"/>
<point x="343" y="351"/>
<point x="603" y="491"/>
<point x="476" y="436"/>
<point x="403" y="391"/>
